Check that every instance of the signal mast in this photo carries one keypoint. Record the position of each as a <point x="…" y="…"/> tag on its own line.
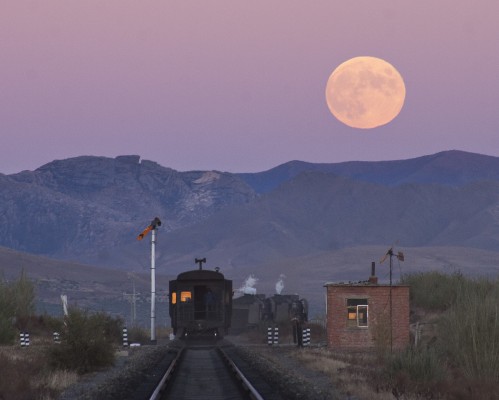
<point x="156" y="222"/>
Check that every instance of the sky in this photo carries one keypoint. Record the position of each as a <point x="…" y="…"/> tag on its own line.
<point x="239" y="86"/>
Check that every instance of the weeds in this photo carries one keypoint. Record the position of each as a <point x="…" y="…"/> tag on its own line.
<point x="25" y="376"/>
<point x="434" y="291"/>
<point x="415" y="370"/>
<point x="87" y="342"/>
<point x="138" y="335"/>
<point x="16" y="307"/>
<point x="470" y="331"/>
<point x="59" y="380"/>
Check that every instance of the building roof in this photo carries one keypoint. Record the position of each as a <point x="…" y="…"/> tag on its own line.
<point x="361" y="284"/>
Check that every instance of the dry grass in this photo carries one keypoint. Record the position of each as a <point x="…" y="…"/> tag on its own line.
<point x="59" y="380"/>
<point x="25" y="375"/>
<point x="364" y="376"/>
<point x="358" y="374"/>
<point x="347" y="371"/>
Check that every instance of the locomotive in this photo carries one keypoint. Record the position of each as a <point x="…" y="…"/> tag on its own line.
<point x="249" y="310"/>
<point x="200" y="303"/>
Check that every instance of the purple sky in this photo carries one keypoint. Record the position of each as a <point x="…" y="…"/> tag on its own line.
<point x="239" y="85"/>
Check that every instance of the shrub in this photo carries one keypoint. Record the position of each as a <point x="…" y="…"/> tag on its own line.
<point x="434" y="291"/>
<point x="422" y="364"/>
<point x="137" y="334"/>
<point x="112" y="328"/>
<point x="381" y="335"/>
<point x="23" y="292"/>
<point x="417" y="369"/>
<point x="7" y="332"/>
<point x="48" y="323"/>
<point x="467" y="334"/>
<point x="470" y="330"/>
<point x="20" y="377"/>
<point x="16" y="307"/>
<point x="86" y="342"/>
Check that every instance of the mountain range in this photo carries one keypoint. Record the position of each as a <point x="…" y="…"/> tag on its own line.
<point x="90" y="210"/>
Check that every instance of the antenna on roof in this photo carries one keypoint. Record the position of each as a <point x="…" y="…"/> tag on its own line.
<point x="200" y="262"/>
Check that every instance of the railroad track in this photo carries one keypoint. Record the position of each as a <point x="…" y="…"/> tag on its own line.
<point x="211" y="372"/>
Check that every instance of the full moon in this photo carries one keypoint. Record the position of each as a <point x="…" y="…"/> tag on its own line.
<point x="365" y="92"/>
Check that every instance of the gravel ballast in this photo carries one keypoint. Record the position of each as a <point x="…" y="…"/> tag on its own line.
<point x="137" y="370"/>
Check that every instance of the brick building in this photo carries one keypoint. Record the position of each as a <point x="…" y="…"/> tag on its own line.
<point x="358" y="314"/>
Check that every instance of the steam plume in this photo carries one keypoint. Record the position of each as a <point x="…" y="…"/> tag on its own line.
<point x="249" y="285"/>
<point x="280" y="284"/>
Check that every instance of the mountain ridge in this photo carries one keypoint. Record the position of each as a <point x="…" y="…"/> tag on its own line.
<point x="70" y="221"/>
<point x="90" y="209"/>
<point x="448" y="164"/>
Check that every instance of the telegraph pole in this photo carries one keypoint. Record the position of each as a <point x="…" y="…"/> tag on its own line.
<point x="132" y="298"/>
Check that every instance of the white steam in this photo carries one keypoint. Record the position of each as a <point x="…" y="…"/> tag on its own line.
<point x="249" y="285"/>
<point x="280" y="284"/>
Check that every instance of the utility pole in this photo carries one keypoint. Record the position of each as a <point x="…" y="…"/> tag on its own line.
<point x="132" y="298"/>
<point x="152" y="227"/>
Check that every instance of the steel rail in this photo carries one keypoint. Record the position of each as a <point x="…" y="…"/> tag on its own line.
<point x="253" y="393"/>
<point x="168" y="374"/>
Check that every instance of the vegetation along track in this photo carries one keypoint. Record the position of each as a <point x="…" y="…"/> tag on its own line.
<point x="211" y="372"/>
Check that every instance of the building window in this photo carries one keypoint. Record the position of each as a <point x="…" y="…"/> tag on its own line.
<point x="357" y="312"/>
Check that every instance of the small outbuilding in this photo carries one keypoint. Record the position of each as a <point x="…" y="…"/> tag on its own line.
<point x="367" y="314"/>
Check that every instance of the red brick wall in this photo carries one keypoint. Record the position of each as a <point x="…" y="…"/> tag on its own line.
<point x="342" y="336"/>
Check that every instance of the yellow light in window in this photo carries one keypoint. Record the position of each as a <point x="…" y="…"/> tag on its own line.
<point x="174" y="298"/>
<point x="185" y="296"/>
<point x="352" y="315"/>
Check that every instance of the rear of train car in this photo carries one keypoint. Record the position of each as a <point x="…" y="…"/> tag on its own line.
<point x="200" y="304"/>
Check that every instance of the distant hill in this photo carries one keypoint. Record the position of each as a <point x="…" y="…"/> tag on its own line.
<point x="84" y="207"/>
<point x="102" y="289"/>
<point x="316" y="212"/>
<point x="90" y="209"/>
<point x="451" y="168"/>
<point x="88" y="287"/>
<point x="307" y="275"/>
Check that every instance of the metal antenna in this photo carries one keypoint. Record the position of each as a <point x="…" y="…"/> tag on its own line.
<point x="400" y="256"/>
<point x="390" y="253"/>
<point x="200" y="261"/>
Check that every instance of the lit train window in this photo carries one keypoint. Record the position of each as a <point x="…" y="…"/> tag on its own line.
<point x="174" y="298"/>
<point x="185" y="296"/>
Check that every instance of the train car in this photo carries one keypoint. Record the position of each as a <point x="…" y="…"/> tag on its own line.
<point x="200" y="304"/>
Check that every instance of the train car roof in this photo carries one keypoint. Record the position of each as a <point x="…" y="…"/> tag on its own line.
<point x="200" y="274"/>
